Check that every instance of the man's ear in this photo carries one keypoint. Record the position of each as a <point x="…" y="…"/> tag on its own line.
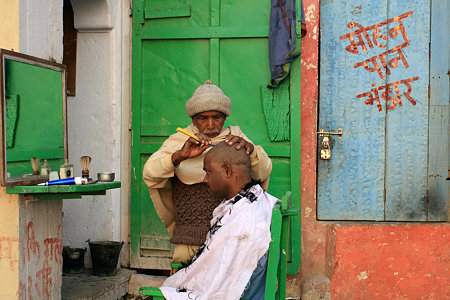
<point x="228" y="170"/>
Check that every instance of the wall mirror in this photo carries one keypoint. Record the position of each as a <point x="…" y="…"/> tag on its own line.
<point x="34" y="117"/>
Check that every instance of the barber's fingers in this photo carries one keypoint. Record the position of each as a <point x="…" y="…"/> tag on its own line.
<point x="204" y="139"/>
<point x="192" y="148"/>
<point x="241" y="143"/>
<point x="249" y="148"/>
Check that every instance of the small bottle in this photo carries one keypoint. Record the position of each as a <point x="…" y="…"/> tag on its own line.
<point x="46" y="168"/>
<point x="66" y="170"/>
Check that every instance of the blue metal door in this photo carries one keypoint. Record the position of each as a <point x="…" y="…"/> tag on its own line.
<point x="374" y="85"/>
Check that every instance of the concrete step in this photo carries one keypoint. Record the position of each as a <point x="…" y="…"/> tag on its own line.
<point x="86" y="286"/>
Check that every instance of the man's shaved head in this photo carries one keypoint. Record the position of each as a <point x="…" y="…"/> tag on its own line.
<point x="225" y="154"/>
<point x="227" y="169"/>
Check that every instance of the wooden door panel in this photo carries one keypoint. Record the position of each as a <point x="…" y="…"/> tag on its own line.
<point x="245" y="13"/>
<point x="199" y="13"/>
<point x="171" y="71"/>
<point x="244" y="67"/>
<point x="350" y="184"/>
<point x="407" y="125"/>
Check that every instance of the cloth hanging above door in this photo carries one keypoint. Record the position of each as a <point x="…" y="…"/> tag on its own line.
<point x="282" y="36"/>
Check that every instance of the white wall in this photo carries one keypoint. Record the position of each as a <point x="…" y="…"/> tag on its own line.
<point x="41" y="29"/>
<point x="95" y="121"/>
<point x="94" y="124"/>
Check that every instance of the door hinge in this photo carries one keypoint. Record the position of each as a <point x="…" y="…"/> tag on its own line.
<point x="384" y="195"/>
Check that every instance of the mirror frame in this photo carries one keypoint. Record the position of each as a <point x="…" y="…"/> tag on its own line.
<point x="35" y="61"/>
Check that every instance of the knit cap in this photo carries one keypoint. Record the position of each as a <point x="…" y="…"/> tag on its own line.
<point x="208" y="97"/>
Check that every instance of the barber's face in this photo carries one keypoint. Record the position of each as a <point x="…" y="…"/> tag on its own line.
<point x="209" y="122"/>
<point x="215" y="176"/>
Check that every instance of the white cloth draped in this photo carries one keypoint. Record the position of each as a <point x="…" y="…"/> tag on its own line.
<point x="238" y="238"/>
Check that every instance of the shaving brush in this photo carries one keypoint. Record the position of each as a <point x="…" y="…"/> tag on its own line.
<point x="35" y="165"/>
<point x="85" y="161"/>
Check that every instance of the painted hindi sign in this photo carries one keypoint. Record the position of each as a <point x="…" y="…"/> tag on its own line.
<point x="383" y="63"/>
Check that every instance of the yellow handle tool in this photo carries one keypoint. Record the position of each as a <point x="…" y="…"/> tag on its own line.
<point x="179" y="129"/>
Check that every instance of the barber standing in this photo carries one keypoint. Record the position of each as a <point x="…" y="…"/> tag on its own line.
<point x="174" y="174"/>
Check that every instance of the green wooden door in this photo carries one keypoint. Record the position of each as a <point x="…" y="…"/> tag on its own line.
<point x="176" y="47"/>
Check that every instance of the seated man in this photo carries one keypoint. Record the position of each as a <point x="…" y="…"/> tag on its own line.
<point x="174" y="173"/>
<point x="239" y="235"/>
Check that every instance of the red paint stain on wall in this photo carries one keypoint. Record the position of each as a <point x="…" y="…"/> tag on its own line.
<point x="6" y="251"/>
<point x="41" y="283"/>
<point x="53" y="248"/>
<point x="33" y="246"/>
<point x="391" y="262"/>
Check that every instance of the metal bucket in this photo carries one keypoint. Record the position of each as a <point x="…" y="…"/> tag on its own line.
<point x="73" y="260"/>
<point x="105" y="256"/>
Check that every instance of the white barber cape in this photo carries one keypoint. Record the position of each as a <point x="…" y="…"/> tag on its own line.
<point x="238" y="237"/>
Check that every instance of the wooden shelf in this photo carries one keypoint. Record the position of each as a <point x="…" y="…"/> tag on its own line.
<point x="63" y="191"/>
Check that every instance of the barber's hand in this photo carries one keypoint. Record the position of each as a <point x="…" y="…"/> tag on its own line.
<point x="191" y="148"/>
<point x="240" y="143"/>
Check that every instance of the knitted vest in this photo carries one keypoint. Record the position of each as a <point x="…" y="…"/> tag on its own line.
<point x="194" y="206"/>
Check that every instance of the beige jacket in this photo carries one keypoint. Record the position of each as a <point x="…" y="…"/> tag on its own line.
<point x="159" y="169"/>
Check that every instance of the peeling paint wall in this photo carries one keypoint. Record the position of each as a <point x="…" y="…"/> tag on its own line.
<point x="9" y="245"/>
<point x="30" y="248"/>
<point x="391" y="262"/>
<point x="313" y="233"/>
<point x="41" y="246"/>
